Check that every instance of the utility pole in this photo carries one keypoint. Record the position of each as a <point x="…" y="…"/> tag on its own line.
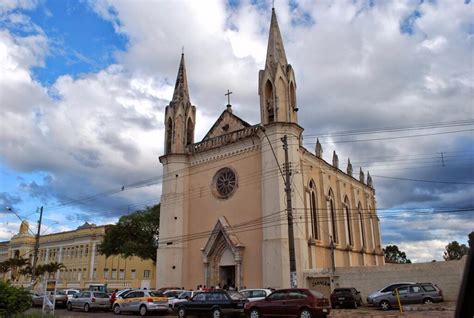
<point x="35" y="256"/>
<point x="289" y="211"/>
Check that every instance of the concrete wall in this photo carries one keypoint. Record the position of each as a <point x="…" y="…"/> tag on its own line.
<point x="446" y="274"/>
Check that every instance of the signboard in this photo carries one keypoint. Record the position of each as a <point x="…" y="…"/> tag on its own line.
<point x="321" y="284"/>
<point x="50" y="285"/>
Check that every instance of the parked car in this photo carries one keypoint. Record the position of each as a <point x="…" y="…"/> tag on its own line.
<point x="296" y="302"/>
<point x="346" y="297"/>
<point x="255" y="294"/>
<point x="89" y="300"/>
<point x="61" y="299"/>
<point x="184" y="296"/>
<point x="385" y="290"/>
<point x="216" y="303"/>
<point x="172" y="293"/>
<point x="122" y="292"/>
<point x="425" y="293"/>
<point x="142" y="302"/>
<point x="71" y="292"/>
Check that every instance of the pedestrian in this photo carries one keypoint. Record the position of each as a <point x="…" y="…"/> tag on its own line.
<point x="113" y="297"/>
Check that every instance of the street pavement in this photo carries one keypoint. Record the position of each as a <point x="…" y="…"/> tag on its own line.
<point x="442" y="310"/>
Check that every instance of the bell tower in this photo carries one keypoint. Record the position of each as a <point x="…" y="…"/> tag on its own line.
<point x="276" y="83"/>
<point x="180" y="116"/>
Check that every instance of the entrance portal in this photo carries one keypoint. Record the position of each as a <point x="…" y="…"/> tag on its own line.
<point x="227" y="275"/>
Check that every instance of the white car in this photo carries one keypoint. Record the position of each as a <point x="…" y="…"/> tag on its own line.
<point x="71" y="292"/>
<point x="184" y="296"/>
<point x="255" y="293"/>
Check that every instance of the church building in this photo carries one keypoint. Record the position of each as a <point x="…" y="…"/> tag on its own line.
<point x="224" y="217"/>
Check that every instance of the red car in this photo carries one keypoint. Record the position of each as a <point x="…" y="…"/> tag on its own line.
<point x="298" y="302"/>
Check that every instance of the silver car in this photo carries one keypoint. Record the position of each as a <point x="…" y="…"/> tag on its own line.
<point x="255" y="294"/>
<point x="423" y="293"/>
<point x="88" y="300"/>
<point x="386" y="290"/>
<point x="142" y="302"/>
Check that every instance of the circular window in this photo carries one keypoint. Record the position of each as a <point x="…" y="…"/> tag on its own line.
<point x="225" y="182"/>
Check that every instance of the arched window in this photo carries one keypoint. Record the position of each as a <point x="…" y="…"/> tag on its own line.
<point x="189" y="132"/>
<point x="361" y="225"/>
<point x="372" y="234"/>
<point x="269" y="104"/>
<point x="169" y="133"/>
<point x="314" y="210"/>
<point x="292" y="97"/>
<point x="347" y="219"/>
<point x="332" y="217"/>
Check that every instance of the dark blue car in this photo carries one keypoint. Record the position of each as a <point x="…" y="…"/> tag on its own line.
<point x="216" y="303"/>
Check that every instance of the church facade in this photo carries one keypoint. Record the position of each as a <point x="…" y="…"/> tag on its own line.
<point x="224" y="213"/>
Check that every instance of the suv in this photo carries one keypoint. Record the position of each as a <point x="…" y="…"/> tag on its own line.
<point x="346" y="297"/>
<point x="386" y="290"/>
<point x="422" y="293"/>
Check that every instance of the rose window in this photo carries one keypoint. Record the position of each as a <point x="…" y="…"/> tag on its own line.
<point x="225" y="182"/>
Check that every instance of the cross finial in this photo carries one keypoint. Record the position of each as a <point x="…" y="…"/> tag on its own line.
<point x="182" y="50"/>
<point x="228" y="97"/>
<point x="273" y="4"/>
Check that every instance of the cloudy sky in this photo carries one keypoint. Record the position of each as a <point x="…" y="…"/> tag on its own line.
<point x="83" y="86"/>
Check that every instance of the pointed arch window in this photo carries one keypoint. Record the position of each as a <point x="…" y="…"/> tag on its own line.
<point x="169" y="133"/>
<point x="361" y="225"/>
<point x="332" y="217"/>
<point x="269" y="105"/>
<point x="314" y="210"/>
<point x="293" y="97"/>
<point x="372" y="234"/>
<point x="189" y="132"/>
<point x="347" y="219"/>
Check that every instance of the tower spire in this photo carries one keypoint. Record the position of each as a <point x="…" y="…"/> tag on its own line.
<point x="275" y="49"/>
<point x="181" y="91"/>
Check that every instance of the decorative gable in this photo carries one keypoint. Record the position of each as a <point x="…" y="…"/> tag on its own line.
<point x="226" y="123"/>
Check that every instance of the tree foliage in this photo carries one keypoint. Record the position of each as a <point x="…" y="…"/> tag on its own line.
<point x="13" y="300"/>
<point x="394" y="255"/>
<point x="455" y="251"/>
<point x="135" y="234"/>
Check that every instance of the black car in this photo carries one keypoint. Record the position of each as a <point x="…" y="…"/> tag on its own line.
<point x="346" y="297"/>
<point x="216" y="303"/>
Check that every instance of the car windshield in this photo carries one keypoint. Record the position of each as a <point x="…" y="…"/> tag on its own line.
<point x="156" y="294"/>
<point x="235" y="295"/>
<point x="342" y="290"/>
<point x="100" y="295"/>
<point x="317" y="294"/>
<point x="60" y="292"/>
<point x="184" y="295"/>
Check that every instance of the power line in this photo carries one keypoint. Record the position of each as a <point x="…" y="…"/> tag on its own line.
<point x="420" y="180"/>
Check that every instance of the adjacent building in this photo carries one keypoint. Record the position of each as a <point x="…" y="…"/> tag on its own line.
<point x="77" y="250"/>
<point x="223" y="207"/>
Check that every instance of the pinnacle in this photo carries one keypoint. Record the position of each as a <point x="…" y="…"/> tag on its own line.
<point x="275" y="50"/>
<point x="181" y="91"/>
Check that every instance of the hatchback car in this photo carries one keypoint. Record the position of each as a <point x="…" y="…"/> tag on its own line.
<point x="89" y="300"/>
<point x="71" y="292"/>
<point x="184" y="296"/>
<point x="61" y="299"/>
<point x="255" y="294"/>
<point x="216" y="303"/>
<point x="296" y="302"/>
<point x="346" y="297"/>
<point x="385" y="290"/>
<point x="142" y="302"/>
<point x="425" y="293"/>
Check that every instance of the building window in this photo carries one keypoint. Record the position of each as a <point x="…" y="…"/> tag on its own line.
<point x="347" y="219"/>
<point x="106" y="273"/>
<point x="121" y="274"/>
<point x="332" y="218"/>
<point x="94" y="274"/>
<point x="314" y="210"/>
<point x="133" y="274"/>
<point x="146" y="274"/>
<point x="114" y="274"/>
<point x="225" y="182"/>
<point x="372" y="235"/>
<point x="361" y="226"/>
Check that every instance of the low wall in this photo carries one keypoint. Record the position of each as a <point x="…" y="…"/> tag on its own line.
<point x="446" y="274"/>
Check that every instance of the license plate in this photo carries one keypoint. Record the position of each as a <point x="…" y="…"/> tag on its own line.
<point x="341" y="298"/>
<point x="325" y="310"/>
<point x="240" y="305"/>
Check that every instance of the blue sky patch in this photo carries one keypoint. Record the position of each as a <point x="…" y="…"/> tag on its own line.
<point x="407" y="24"/>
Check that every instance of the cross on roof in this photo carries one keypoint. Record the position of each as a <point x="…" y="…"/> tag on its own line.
<point x="228" y="96"/>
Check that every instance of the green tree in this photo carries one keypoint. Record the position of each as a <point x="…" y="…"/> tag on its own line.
<point x="13" y="300"/>
<point x="454" y="251"/>
<point x="135" y="234"/>
<point x="394" y="255"/>
<point x="14" y="265"/>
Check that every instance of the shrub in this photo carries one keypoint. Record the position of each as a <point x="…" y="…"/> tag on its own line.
<point x="13" y="300"/>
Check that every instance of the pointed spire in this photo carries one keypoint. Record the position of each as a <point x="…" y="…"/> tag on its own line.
<point x="319" y="149"/>
<point x="369" y="180"/>
<point x="181" y="91"/>
<point x="349" y="167"/>
<point x="335" y="160"/>
<point x="361" y="176"/>
<point x="275" y="50"/>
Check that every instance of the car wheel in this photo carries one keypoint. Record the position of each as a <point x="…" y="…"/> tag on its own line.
<point x="384" y="305"/>
<point x="117" y="310"/>
<point x="69" y="306"/>
<point x="142" y="310"/>
<point x="86" y="307"/>
<point x="181" y="312"/>
<point x="305" y="313"/>
<point x="254" y="313"/>
<point x="427" y="301"/>
<point x="355" y="304"/>
<point x="216" y="313"/>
